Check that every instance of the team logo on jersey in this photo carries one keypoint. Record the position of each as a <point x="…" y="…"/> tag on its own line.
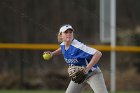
<point x="71" y="60"/>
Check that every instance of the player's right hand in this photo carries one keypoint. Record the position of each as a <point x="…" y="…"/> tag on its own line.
<point x="47" y="55"/>
<point x="45" y="52"/>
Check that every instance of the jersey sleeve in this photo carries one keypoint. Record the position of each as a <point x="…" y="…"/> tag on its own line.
<point x="88" y="49"/>
<point x="85" y="48"/>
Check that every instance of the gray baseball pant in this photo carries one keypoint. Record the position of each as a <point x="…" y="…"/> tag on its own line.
<point x="96" y="82"/>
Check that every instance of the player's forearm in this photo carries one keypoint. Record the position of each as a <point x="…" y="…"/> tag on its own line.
<point x="57" y="52"/>
<point x="94" y="60"/>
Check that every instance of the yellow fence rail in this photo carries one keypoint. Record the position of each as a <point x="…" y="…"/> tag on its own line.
<point x="55" y="46"/>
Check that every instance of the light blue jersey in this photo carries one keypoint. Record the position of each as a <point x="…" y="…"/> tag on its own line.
<point x="78" y="54"/>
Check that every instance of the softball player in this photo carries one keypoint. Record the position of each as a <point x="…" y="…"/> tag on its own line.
<point x="76" y="54"/>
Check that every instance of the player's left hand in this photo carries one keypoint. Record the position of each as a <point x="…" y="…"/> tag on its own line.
<point x="77" y="74"/>
<point x="79" y="77"/>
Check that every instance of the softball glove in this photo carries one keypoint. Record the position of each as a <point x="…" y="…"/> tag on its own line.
<point x="77" y="74"/>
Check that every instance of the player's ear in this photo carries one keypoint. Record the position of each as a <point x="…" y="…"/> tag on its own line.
<point x="59" y="37"/>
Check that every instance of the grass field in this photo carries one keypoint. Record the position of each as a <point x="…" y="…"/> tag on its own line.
<point x="38" y="91"/>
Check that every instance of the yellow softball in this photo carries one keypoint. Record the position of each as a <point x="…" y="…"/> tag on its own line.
<point x="46" y="56"/>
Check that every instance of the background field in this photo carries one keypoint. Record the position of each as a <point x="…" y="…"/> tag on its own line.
<point x="29" y="27"/>
<point x="38" y="91"/>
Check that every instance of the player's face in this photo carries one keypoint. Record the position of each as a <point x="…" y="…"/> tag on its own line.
<point x="67" y="36"/>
